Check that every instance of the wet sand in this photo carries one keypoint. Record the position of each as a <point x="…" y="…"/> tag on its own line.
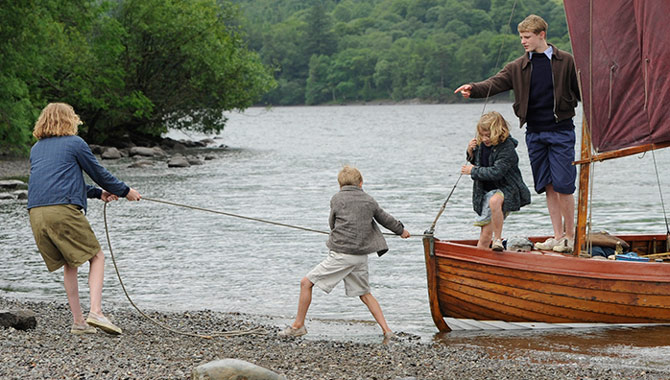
<point x="146" y="351"/>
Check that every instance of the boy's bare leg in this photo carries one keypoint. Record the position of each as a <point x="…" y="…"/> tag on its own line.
<point x="555" y="213"/>
<point x="95" y="278"/>
<point x="72" y="291"/>
<point x="567" y="206"/>
<point x="497" y="217"/>
<point x="485" y="236"/>
<point x="303" y="302"/>
<point x="371" y="302"/>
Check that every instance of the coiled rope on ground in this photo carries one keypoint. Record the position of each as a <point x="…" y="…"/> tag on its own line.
<point x="258" y="330"/>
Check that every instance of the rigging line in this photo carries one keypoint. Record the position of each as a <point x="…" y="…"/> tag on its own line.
<point x="444" y="205"/>
<point x="486" y="100"/>
<point x="249" y="217"/>
<point x="660" y="192"/>
<point x="502" y="44"/>
<point x="258" y="330"/>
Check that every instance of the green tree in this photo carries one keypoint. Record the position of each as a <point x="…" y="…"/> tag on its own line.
<point x="390" y="48"/>
<point x="44" y="51"/>
<point x="319" y="37"/>
<point x="183" y="64"/>
<point x="318" y="89"/>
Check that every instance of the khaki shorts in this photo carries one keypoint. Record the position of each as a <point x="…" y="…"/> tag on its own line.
<point x="63" y="235"/>
<point x="353" y="269"/>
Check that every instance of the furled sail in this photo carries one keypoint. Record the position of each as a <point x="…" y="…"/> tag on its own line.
<point x="622" y="54"/>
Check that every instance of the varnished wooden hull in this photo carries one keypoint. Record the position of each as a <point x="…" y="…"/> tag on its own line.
<point x="479" y="284"/>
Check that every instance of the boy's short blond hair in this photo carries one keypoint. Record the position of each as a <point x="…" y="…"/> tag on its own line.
<point x="349" y="176"/>
<point x="534" y="24"/>
<point x="496" y="124"/>
<point x="56" y="119"/>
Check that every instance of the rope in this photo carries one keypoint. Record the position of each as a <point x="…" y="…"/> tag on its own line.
<point x="258" y="330"/>
<point x="488" y="94"/>
<point x="660" y="192"/>
<point x="248" y="217"/>
<point x="502" y="44"/>
<point x="235" y="215"/>
<point x="444" y="205"/>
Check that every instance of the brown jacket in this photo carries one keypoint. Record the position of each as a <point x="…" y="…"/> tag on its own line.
<point x="352" y="223"/>
<point x="516" y="76"/>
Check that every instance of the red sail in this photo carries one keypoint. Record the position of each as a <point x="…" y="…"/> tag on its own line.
<point x="626" y="44"/>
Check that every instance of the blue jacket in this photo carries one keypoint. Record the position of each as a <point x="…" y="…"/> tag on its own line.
<point x="56" y="177"/>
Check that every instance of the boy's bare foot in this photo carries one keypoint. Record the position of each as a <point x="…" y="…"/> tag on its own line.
<point x="388" y="337"/>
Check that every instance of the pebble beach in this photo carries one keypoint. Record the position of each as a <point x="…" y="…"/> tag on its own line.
<point x="147" y="351"/>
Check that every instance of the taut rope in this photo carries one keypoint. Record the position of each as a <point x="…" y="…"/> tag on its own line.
<point x="431" y="230"/>
<point x="258" y="330"/>
<point x="247" y="217"/>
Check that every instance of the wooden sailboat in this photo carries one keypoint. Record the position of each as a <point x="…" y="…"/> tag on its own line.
<point x="622" y="54"/>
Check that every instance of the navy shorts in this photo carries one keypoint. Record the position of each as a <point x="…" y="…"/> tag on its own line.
<point x="551" y="155"/>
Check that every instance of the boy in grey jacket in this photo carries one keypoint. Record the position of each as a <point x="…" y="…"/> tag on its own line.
<point x="353" y="235"/>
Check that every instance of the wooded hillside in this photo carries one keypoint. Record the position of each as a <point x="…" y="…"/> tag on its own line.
<point x="360" y="50"/>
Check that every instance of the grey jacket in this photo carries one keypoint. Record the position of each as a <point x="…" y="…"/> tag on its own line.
<point x="516" y="76"/>
<point x="504" y="172"/>
<point x="352" y="223"/>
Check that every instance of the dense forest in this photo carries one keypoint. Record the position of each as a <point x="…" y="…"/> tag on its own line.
<point x="133" y="68"/>
<point x="342" y="51"/>
<point x="130" y="68"/>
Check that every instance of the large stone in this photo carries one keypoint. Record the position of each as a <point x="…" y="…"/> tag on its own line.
<point x="12" y="184"/>
<point x="158" y="152"/>
<point x="6" y="196"/>
<point x="111" y="153"/>
<point x="20" y="194"/>
<point x="96" y="149"/>
<point x="178" y="162"/>
<point x="194" y="161"/>
<point x="141" y="164"/>
<point x="233" y="369"/>
<point x="141" y="151"/>
<point x="18" y="319"/>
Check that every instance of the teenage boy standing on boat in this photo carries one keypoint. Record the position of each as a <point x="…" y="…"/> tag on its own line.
<point x="353" y="235"/>
<point x="546" y="92"/>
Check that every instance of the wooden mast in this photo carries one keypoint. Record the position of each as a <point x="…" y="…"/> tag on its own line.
<point x="585" y="168"/>
<point x="583" y="197"/>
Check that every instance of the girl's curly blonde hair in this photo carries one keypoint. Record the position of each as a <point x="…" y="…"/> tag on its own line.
<point x="494" y="123"/>
<point x="56" y="119"/>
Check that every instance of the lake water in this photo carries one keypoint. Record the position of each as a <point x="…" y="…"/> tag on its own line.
<point x="282" y="165"/>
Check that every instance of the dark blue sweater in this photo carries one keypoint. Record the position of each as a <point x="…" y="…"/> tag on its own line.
<point x="540" y="116"/>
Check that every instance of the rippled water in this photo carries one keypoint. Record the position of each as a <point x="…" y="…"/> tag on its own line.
<point x="282" y="165"/>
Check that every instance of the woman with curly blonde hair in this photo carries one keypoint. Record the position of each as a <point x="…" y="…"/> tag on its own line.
<point x="57" y="204"/>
